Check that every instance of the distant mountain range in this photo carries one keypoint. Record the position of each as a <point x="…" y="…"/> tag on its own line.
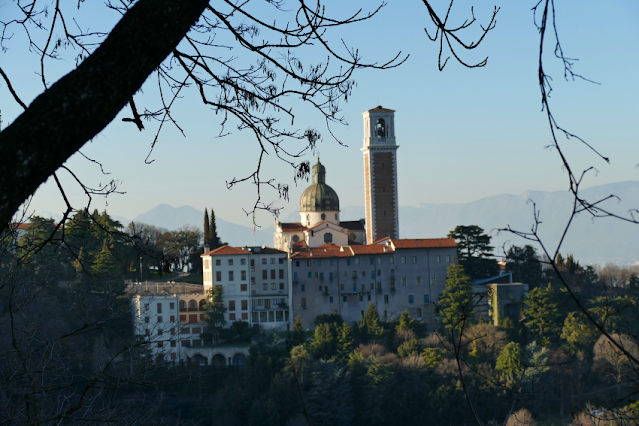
<point x="591" y="241"/>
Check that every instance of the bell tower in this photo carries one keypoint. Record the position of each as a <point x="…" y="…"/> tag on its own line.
<point x="380" y="174"/>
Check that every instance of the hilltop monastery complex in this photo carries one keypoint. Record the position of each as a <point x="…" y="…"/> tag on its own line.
<point x="318" y="265"/>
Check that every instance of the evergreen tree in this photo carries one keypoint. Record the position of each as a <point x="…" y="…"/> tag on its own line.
<point x="44" y="260"/>
<point x="542" y="314"/>
<point x="330" y="400"/>
<point x="538" y="380"/>
<point x="369" y="326"/>
<point x="578" y="332"/>
<point x="324" y="344"/>
<point x="106" y="275"/>
<point x="215" y="313"/>
<point x="474" y="251"/>
<point x="510" y="363"/>
<point x="405" y="322"/>
<point x="525" y="264"/>
<point x="298" y="332"/>
<point x="456" y="302"/>
<point x="215" y="241"/>
<point x="432" y="357"/>
<point x="345" y="342"/>
<point x="408" y="348"/>
<point x="207" y="229"/>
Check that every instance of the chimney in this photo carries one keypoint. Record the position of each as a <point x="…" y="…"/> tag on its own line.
<point x="207" y="248"/>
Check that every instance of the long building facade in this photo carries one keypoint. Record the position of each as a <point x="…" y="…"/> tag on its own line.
<point x="319" y="265"/>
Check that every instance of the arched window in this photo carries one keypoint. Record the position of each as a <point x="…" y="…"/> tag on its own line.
<point x="352" y="237"/>
<point x="328" y="237"/>
<point x="192" y="305"/>
<point x="202" y="303"/>
<point x="380" y="128"/>
<point x="182" y="305"/>
<point x="411" y="299"/>
<point x="323" y="216"/>
<point x="295" y="238"/>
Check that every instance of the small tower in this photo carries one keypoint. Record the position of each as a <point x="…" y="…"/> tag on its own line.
<point x="380" y="174"/>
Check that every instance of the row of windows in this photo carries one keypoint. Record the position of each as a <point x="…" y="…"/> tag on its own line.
<point x="273" y="286"/>
<point x="244" y="304"/>
<point x="267" y="303"/>
<point x="411" y="299"/>
<point x="372" y="260"/>
<point x="418" y="281"/>
<point x="230" y="262"/>
<point x="270" y="316"/>
<point x="275" y="274"/>
<point x="159" y="307"/>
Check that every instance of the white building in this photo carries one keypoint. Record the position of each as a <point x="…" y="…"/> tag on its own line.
<point x="255" y="283"/>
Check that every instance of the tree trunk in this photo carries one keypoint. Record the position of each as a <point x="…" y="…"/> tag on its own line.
<point x="82" y="103"/>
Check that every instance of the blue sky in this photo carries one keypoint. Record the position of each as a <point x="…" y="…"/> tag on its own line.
<point x="463" y="134"/>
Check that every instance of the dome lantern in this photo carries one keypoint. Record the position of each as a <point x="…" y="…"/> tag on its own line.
<point x="319" y="197"/>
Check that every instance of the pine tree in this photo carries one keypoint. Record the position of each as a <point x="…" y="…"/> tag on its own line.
<point x="543" y="315"/>
<point x="369" y="326"/>
<point x="345" y="342"/>
<point x="510" y="363"/>
<point x="106" y="271"/>
<point x="456" y="303"/>
<point x="207" y="229"/>
<point x="474" y="251"/>
<point x="405" y="322"/>
<point x="298" y="332"/>
<point x="215" y="313"/>
<point x="330" y="400"/>
<point x="323" y="344"/>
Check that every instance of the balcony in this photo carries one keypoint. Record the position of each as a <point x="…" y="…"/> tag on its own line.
<point x="325" y="292"/>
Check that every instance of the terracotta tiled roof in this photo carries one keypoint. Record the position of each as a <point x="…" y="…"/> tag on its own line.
<point x="424" y="243"/>
<point x="325" y="251"/>
<point x="379" y="108"/>
<point x="19" y="225"/>
<point x="353" y="225"/>
<point x="381" y="240"/>
<point x="371" y="249"/>
<point x="299" y="244"/>
<point x="224" y="250"/>
<point x="289" y="227"/>
<point x="319" y="224"/>
<point x="269" y="250"/>
<point x="228" y="250"/>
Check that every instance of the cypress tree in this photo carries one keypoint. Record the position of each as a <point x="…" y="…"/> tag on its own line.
<point x="207" y="229"/>
<point x="215" y="240"/>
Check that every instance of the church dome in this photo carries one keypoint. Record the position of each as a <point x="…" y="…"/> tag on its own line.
<point x="319" y="196"/>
